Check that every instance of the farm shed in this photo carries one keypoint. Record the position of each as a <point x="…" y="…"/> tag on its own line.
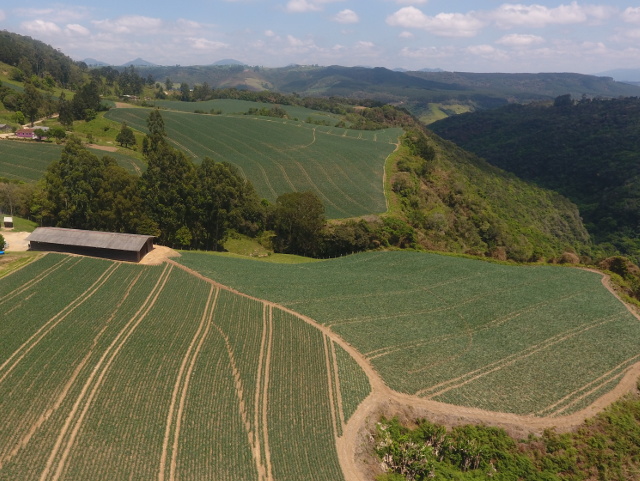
<point x="112" y="245"/>
<point x="8" y="222"/>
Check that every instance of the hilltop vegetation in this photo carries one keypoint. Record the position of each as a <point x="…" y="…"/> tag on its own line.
<point x="588" y="151"/>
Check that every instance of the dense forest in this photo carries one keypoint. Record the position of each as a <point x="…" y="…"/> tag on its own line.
<point x="587" y="150"/>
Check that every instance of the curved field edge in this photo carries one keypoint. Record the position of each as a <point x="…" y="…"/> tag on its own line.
<point x="121" y="360"/>
<point x="344" y="168"/>
<point x="457" y="332"/>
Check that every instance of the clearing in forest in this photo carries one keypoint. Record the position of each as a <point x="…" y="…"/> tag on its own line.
<point x="279" y="156"/>
<point x="111" y="370"/>
<point x="456" y="330"/>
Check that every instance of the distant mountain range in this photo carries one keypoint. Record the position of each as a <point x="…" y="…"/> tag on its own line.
<point x="140" y="62"/>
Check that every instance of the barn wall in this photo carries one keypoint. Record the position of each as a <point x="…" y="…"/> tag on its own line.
<point x="117" y="255"/>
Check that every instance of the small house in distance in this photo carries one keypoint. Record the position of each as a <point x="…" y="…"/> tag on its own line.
<point x="110" y="245"/>
<point x="8" y="222"/>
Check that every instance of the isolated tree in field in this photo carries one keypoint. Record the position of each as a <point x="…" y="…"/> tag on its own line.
<point x="125" y="136"/>
<point x="298" y="221"/>
<point x="155" y="124"/>
<point x="65" y="111"/>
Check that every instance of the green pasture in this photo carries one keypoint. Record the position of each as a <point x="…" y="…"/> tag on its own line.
<point x="27" y="161"/>
<point x="457" y="330"/>
<point x="111" y="370"/>
<point x="277" y="156"/>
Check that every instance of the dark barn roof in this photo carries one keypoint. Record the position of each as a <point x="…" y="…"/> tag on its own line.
<point x="109" y="244"/>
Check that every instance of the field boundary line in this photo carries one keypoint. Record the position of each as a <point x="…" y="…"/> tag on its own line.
<point x="330" y="385"/>
<point x="265" y="398"/>
<point x="178" y="385"/>
<point x="99" y="370"/>
<point x="63" y="394"/>
<point x="35" y="280"/>
<point x="211" y="306"/>
<point x="511" y="359"/>
<point x="336" y="372"/>
<point x="48" y="326"/>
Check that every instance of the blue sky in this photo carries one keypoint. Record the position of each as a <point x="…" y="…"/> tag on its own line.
<point x="456" y="35"/>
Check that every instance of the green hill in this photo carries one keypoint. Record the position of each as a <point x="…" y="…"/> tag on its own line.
<point x="589" y="152"/>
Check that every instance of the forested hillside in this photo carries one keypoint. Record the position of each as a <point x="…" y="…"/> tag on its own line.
<point x="588" y="151"/>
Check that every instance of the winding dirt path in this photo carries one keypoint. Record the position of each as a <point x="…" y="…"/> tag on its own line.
<point x="384" y="401"/>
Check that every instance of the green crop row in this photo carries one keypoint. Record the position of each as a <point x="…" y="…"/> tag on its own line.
<point x="119" y="371"/>
<point x="458" y="330"/>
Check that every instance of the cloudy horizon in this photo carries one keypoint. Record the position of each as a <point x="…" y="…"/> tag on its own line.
<point x="545" y="36"/>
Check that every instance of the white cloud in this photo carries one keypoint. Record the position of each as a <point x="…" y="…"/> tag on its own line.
<point x="59" y="15"/>
<point x="301" y="6"/>
<point x="518" y="40"/>
<point x="515" y="14"/>
<point x="205" y="44"/>
<point x="2" y="15"/>
<point x="443" y="24"/>
<point x="428" y="53"/>
<point x="74" y="29"/>
<point x="41" y="27"/>
<point x="406" y="34"/>
<point x="631" y="15"/>
<point x="411" y="2"/>
<point x="269" y="33"/>
<point x="346" y="16"/>
<point x="131" y="24"/>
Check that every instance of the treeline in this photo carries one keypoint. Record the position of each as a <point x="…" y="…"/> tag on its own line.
<point x="606" y="447"/>
<point x="38" y="62"/>
<point x="588" y="150"/>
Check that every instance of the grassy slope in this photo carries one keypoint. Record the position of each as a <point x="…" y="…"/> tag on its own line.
<point x="461" y="331"/>
<point x="116" y="368"/>
<point x="27" y="161"/>
<point x="345" y="168"/>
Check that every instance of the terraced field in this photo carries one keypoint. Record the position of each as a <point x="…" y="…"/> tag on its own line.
<point x="460" y="331"/>
<point x="344" y="167"/>
<point x="28" y="161"/>
<point x="118" y="371"/>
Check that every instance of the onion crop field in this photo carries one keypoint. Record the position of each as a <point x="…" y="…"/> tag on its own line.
<point x="233" y="106"/>
<point x="456" y="330"/>
<point x="27" y="161"/>
<point x="343" y="167"/>
<point x="119" y="371"/>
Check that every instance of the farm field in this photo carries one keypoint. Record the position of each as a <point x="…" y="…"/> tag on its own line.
<point x="27" y="161"/>
<point x="460" y="331"/>
<point x="344" y="167"/>
<point x="233" y="106"/>
<point x="118" y="371"/>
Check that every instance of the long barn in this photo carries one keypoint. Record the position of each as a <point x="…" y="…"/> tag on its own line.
<point x="112" y="245"/>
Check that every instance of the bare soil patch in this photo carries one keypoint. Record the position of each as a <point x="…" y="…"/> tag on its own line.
<point x="106" y="148"/>
<point x="158" y="255"/>
<point x="17" y="240"/>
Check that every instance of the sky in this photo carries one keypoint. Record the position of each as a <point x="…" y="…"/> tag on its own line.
<point x="454" y="35"/>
